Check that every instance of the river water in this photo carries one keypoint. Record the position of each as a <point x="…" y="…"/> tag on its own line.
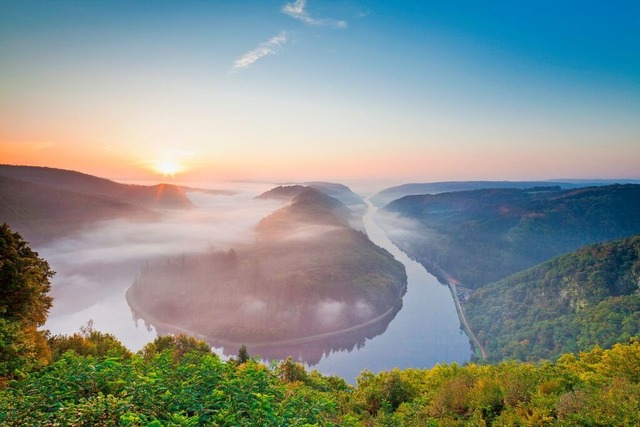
<point x="426" y="331"/>
<point x="94" y="272"/>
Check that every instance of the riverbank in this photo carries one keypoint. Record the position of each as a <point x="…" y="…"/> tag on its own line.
<point x="161" y="325"/>
<point x="452" y="283"/>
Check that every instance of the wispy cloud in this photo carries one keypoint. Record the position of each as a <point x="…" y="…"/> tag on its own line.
<point x="297" y="11"/>
<point x="270" y="47"/>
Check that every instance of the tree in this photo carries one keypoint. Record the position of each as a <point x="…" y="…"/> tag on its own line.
<point x="243" y="354"/>
<point x="179" y="345"/>
<point x="24" y="304"/>
<point x="87" y="342"/>
<point x="290" y="371"/>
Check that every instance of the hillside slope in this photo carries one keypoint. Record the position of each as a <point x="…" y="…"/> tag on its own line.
<point x="41" y="213"/>
<point x="383" y="197"/>
<point x="567" y="304"/>
<point x="352" y="206"/>
<point x="386" y="196"/>
<point x="338" y="191"/>
<point x="156" y="196"/>
<point x="485" y="235"/>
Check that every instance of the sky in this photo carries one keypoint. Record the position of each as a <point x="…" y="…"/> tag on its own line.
<point x="401" y="91"/>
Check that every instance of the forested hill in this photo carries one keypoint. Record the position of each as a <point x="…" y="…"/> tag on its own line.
<point x="156" y="196"/>
<point x="283" y="192"/>
<point x="567" y="304"/>
<point x="320" y="200"/>
<point x="485" y="235"/>
<point x="42" y="213"/>
<point x="390" y="194"/>
<point x="308" y="206"/>
<point x="337" y="191"/>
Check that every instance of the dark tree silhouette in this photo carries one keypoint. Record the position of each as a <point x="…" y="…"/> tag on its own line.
<point x="24" y="304"/>
<point x="243" y="354"/>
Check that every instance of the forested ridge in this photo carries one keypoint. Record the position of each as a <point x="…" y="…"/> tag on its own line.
<point x="156" y="196"/>
<point x="45" y="204"/>
<point x="383" y="197"/>
<point x="483" y="236"/>
<point x="567" y="304"/>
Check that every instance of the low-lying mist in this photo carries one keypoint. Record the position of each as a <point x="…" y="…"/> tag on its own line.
<point x="306" y="275"/>
<point x="94" y="268"/>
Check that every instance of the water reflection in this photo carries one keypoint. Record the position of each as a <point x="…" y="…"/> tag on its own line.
<point x="308" y="350"/>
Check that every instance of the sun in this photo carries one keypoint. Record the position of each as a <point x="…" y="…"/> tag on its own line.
<point x="167" y="168"/>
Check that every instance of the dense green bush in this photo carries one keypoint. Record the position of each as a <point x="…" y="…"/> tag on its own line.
<point x="169" y="383"/>
<point x="196" y="388"/>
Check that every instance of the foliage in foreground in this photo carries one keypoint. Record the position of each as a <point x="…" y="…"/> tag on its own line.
<point x="90" y="378"/>
<point x="177" y="381"/>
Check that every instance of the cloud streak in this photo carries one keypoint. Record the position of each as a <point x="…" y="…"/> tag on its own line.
<point x="297" y="11"/>
<point x="270" y="47"/>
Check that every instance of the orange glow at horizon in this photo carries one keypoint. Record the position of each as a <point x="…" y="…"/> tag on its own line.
<point x="427" y="163"/>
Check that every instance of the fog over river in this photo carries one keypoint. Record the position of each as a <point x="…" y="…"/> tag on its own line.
<point x="95" y="269"/>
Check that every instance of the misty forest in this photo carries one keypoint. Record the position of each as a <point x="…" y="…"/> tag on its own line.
<point x="255" y="305"/>
<point x="307" y="273"/>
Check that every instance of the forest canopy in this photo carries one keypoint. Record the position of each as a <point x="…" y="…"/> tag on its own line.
<point x="567" y="304"/>
<point x="486" y="235"/>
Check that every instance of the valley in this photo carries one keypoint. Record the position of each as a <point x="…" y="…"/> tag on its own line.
<point x="299" y="269"/>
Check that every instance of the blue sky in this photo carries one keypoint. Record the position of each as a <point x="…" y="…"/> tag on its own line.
<point x="404" y="90"/>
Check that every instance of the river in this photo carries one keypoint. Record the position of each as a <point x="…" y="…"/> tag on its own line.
<point x="425" y="332"/>
<point x="94" y="272"/>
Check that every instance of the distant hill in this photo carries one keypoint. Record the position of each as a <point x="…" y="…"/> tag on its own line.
<point x="596" y="182"/>
<point x="485" y="235"/>
<point x="41" y="212"/>
<point x="337" y="191"/>
<point x="308" y="274"/>
<point x="157" y="196"/>
<point x="283" y="192"/>
<point x="389" y="194"/>
<point x="352" y="206"/>
<point x="567" y="304"/>
<point x="309" y="206"/>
